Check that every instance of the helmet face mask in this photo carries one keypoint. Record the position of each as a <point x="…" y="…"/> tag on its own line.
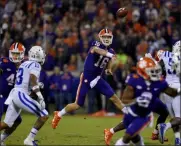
<point x="16" y="52"/>
<point x="37" y="54"/>
<point x="149" y="69"/>
<point x="106" y="37"/>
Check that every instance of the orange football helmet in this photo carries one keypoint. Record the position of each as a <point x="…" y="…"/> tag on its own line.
<point x="16" y="52"/>
<point x="106" y="37"/>
<point x="158" y="55"/>
<point x="149" y="69"/>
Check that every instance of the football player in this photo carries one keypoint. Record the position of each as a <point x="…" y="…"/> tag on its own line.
<point x="145" y="87"/>
<point x="173" y="80"/>
<point x="27" y="78"/>
<point x="176" y="121"/>
<point x="8" y="69"/>
<point x="98" y="59"/>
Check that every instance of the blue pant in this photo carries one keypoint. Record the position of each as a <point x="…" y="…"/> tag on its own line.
<point x="134" y="125"/>
<point x="3" y="107"/>
<point x="84" y="86"/>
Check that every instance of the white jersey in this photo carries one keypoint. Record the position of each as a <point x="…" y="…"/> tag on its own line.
<point x="171" y="76"/>
<point x="23" y="74"/>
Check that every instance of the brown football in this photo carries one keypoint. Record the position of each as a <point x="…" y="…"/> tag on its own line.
<point x="122" y="12"/>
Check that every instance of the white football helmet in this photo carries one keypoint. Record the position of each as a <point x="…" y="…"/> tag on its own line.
<point x="36" y="53"/>
<point x="176" y="48"/>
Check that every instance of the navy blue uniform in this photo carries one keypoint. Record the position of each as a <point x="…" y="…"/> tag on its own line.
<point x="7" y="79"/>
<point x="94" y="66"/>
<point x="146" y="94"/>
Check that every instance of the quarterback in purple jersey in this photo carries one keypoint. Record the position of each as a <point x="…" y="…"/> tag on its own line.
<point x="145" y="87"/>
<point x="8" y="68"/>
<point x="98" y="60"/>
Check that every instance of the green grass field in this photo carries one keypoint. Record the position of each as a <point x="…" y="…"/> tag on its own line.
<point x="76" y="130"/>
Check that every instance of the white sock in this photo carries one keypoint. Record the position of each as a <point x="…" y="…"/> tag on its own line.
<point x="112" y="130"/>
<point x="168" y="125"/>
<point x="121" y="143"/>
<point x="155" y="131"/>
<point x="177" y="135"/>
<point x="62" y="112"/>
<point x="4" y="136"/>
<point x="32" y="133"/>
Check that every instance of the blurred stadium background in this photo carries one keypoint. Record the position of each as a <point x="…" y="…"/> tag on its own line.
<point x="65" y="29"/>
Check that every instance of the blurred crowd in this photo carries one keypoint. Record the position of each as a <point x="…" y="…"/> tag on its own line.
<point x="66" y="28"/>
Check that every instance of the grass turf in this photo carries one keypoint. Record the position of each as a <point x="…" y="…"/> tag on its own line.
<point x="76" y="130"/>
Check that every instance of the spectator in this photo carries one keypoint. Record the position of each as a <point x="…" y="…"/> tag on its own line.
<point x="65" y="87"/>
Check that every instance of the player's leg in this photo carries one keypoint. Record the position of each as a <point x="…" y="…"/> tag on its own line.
<point x="161" y="109"/>
<point x="137" y="140"/>
<point x="108" y="133"/>
<point x="26" y="103"/>
<point x="175" y="123"/>
<point x="80" y="98"/>
<point x="7" y="132"/>
<point x="103" y="87"/>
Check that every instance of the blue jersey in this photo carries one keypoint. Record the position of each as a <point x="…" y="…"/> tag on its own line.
<point x="95" y="64"/>
<point x="7" y="77"/>
<point x="145" y="93"/>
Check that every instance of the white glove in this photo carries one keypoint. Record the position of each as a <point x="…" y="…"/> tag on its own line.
<point x="125" y="110"/>
<point x="41" y="85"/>
<point x="94" y="82"/>
<point x="42" y="104"/>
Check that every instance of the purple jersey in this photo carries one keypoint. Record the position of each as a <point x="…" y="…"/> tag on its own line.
<point x="7" y="77"/>
<point x="146" y="94"/>
<point x="95" y="63"/>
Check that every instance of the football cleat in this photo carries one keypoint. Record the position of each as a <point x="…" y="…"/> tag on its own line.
<point x="161" y="131"/>
<point x="2" y="143"/>
<point x="107" y="136"/>
<point x="30" y="142"/>
<point x="177" y="142"/>
<point x="55" y="120"/>
<point x="156" y="137"/>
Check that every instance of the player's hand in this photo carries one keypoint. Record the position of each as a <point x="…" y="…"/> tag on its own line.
<point x="42" y="104"/>
<point x="41" y="85"/>
<point x="114" y="58"/>
<point x="125" y="110"/>
<point x="92" y="50"/>
<point x="108" y="72"/>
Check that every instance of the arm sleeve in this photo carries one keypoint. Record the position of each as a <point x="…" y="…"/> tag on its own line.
<point x="35" y="69"/>
<point x="164" y="85"/>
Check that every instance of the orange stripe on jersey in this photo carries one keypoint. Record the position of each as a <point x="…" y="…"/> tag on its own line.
<point x="78" y="90"/>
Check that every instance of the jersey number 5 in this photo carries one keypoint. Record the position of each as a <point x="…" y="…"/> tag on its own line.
<point x="102" y="62"/>
<point x="19" y="77"/>
<point x="144" y="100"/>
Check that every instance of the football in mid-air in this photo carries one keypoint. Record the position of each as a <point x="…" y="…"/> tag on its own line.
<point x="122" y="12"/>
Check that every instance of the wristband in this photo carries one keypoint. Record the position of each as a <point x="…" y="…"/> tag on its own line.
<point x="110" y="55"/>
<point x="40" y="96"/>
<point x="35" y="87"/>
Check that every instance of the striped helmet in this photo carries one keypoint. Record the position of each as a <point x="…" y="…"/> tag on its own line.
<point x="106" y="37"/>
<point x="16" y="52"/>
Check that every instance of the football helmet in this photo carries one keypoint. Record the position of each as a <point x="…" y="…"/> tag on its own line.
<point x="176" y="48"/>
<point x="158" y="55"/>
<point x="149" y="69"/>
<point x="16" y="52"/>
<point x="106" y="37"/>
<point x="36" y="53"/>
